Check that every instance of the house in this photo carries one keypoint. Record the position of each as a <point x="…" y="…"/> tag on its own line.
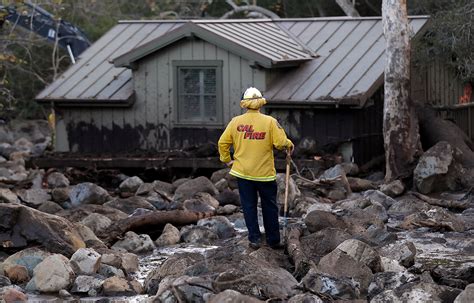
<point x="163" y="85"/>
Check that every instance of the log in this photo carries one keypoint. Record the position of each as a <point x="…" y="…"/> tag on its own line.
<point x="152" y="220"/>
<point x="462" y="205"/>
<point x="293" y="246"/>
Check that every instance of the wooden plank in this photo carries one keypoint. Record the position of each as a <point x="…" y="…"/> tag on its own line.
<point x="140" y="106"/>
<point x="174" y="53"/>
<point x="226" y="97"/>
<point x="96" y="124"/>
<point x="164" y="103"/>
<point x="198" y="49"/>
<point x="210" y="51"/>
<point x="235" y="85"/>
<point x="151" y="107"/>
<point x="186" y="49"/>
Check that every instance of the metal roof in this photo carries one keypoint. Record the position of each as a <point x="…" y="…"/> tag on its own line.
<point x="349" y="64"/>
<point x="262" y="41"/>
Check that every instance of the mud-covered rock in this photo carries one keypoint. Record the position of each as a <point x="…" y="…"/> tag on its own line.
<point x="380" y="197"/>
<point x="17" y="274"/>
<point x="188" y="289"/>
<point x="228" y="197"/>
<point x="306" y="298"/>
<point x="77" y="214"/>
<point x="208" y="199"/>
<point x="198" y="234"/>
<point x="60" y="194"/>
<point x="436" y="218"/>
<point x="169" y="236"/>
<point x="358" y="184"/>
<point x="220" y="225"/>
<point x="318" y="220"/>
<point x="407" y="205"/>
<point x="110" y="271"/>
<point x="403" y="252"/>
<point x="393" y="189"/>
<point x="29" y="258"/>
<point x="88" y="193"/>
<point x="219" y="174"/>
<point x="13" y="295"/>
<point x="197" y="205"/>
<point x="227" y="210"/>
<point x="50" y="207"/>
<point x="97" y="223"/>
<point x="318" y="244"/>
<point x="293" y="191"/>
<point x="129" y="205"/>
<point x="135" y="243"/>
<point x="57" y="179"/>
<point x="116" y="286"/>
<point x="34" y="197"/>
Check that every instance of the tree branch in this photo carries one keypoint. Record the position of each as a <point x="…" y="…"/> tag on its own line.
<point x="348" y="8"/>
<point x="254" y="8"/>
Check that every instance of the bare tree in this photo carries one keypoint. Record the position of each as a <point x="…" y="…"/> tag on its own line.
<point x="348" y="7"/>
<point x="260" y="11"/>
<point x="400" y="124"/>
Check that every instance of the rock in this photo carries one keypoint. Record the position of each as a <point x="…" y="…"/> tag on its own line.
<point x="318" y="220"/>
<point x="4" y="281"/>
<point x="64" y="294"/>
<point x="88" y="193"/>
<point x="7" y="149"/>
<point x="407" y="205"/>
<point x="390" y="265"/>
<point x="320" y="243"/>
<point x="97" y="223"/>
<point x="134" y="243"/>
<point x="196" y="205"/>
<point x="164" y="188"/>
<point x="188" y="289"/>
<point x="158" y="202"/>
<point x="198" y="234"/>
<point x="57" y="179"/>
<point x="129" y="205"/>
<point x="17" y="274"/>
<point x="418" y="292"/>
<point x="227" y="210"/>
<point x="370" y="208"/>
<point x="29" y="258"/>
<point x="190" y="188"/>
<point x="222" y="185"/>
<point x="437" y="169"/>
<point x="23" y="144"/>
<point x="77" y="214"/>
<point x="333" y="172"/>
<point x="340" y="265"/>
<point x="112" y="258"/>
<point x="293" y="191"/>
<point x="458" y="276"/>
<point x="403" y="252"/>
<point x="169" y="236"/>
<point x="308" y="204"/>
<point x="60" y="194"/>
<point x="177" y="183"/>
<point x="7" y="196"/>
<point x="129" y="263"/>
<point x="50" y="207"/>
<point x="219" y="175"/>
<point x="393" y="189"/>
<point x="358" y="184"/>
<point x="220" y="225"/>
<point x="380" y="197"/>
<point x="379" y="236"/>
<point x="466" y="295"/>
<point x="110" y="271"/>
<point x="144" y="189"/>
<point x="116" y="286"/>
<point x="306" y="298"/>
<point x="208" y="199"/>
<point x="131" y="184"/>
<point x="229" y="296"/>
<point x="361" y="252"/>
<point x="228" y="197"/>
<point x="2" y="159"/>
<point x="89" y="237"/>
<point x="232" y="182"/>
<point x="388" y="281"/>
<point x="436" y="218"/>
<point x="342" y="288"/>
<point x="34" y="197"/>
<point x="12" y="295"/>
<point x="5" y="173"/>
<point x="84" y="284"/>
<point x="23" y="226"/>
<point x="53" y="274"/>
<point x="85" y="261"/>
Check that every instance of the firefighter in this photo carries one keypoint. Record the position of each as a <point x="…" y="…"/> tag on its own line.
<point x="253" y="136"/>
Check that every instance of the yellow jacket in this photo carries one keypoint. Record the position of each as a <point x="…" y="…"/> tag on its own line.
<point x="253" y="136"/>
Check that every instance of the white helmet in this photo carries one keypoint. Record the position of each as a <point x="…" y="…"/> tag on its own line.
<point x="251" y="93"/>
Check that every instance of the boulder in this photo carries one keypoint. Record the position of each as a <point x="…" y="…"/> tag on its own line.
<point x="131" y="184"/>
<point x="4" y="281"/>
<point x="388" y="281"/>
<point x="208" y="199"/>
<point x="53" y="274"/>
<point x="436" y="218"/>
<point x="29" y="258"/>
<point x="232" y="182"/>
<point x="89" y="237"/>
<point x="7" y="196"/>
<point x="306" y="298"/>
<point x="407" y="205"/>
<point x="87" y="285"/>
<point x="358" y="184"/>
<point x="134" y="243"/>
<point x="169" y="236"/>
<point x="129" y="205"/>
<point x="219" y="175"/>
<point x="342" y="288"/>
<point x="466" y="295"/>
<point x="318" y="244"/>
<point x="390" y="265"/>
<point x="438" y="169"/>
<point x="21" y="226"/>
<point x="227" y="210"/>
<point x="188" y="289"/>
<point x="177" y="183"/>
<point x="34" y="197"/>
<point x="17" y="274"/>
<point x="158" y="202"/>
<point x="393" y="189"/>
<point x="418" y="292"/>
<point x="379" y="197"/>
<point x="97" y="223"/>
<point x="220" y="225"/>
<point x="403" y="252"/>
<point x="110" y="271"/>
<point x="198" y="234"/>
<point x="13" y="295"/>
<point x="88" y="193"/>
<point x="60" y="194"/>
<point x="50" y="207"/>
<point x="318" y="220"/>
<point x="222" y="185"/>
<point x="144" y="189"/>
<point x="85" y="261"/>
<point x="228" y="197"/>
<point x="129" y="263"/>
<point x="116" y="286"/>
<point x="340" y="265"/>
<point x="369" y="207"/>
<point x="361" y="252"/>
<point x="229" y="295"/>
<point x="188" y="189"/>
<point x="77" y="214"/>
<point x="56" y="179"/>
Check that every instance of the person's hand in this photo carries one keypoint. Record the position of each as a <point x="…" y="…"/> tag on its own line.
<point x="229" y="164"/>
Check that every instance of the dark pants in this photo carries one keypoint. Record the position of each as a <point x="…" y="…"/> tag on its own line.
<point x="248" y="191"/>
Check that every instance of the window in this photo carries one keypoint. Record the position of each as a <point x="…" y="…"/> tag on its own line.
<point x="199" y="92"/>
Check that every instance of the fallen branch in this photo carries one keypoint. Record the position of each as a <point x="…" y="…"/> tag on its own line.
<point x="443" y="203"/>
<point x="152" y="220"/>
<point x="293" y="247"/>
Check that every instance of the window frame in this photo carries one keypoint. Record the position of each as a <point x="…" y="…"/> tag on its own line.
<point x="198" y="64"/>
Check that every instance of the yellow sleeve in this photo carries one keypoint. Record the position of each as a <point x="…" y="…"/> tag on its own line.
<point x="280" y="141"/>
<point x="224" y="144"/>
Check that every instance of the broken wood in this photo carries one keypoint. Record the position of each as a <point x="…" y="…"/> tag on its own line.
<point x="293" y="246"/>
<point x="152" y="221"/>
<point x="442" y="202"/>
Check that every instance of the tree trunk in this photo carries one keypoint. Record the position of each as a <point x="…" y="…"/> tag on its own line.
<point x="400" y="124"/>
<point x="348" y="8"/>
<point x="302" y="264"/>
<point x="152" y="221"/>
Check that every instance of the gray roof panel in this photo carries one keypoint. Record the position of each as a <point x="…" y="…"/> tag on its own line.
<point x="348" y="65"/>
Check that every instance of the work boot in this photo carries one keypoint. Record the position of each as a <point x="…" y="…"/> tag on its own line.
<point x="277" y="246"/>
<point x="254" y="245"/>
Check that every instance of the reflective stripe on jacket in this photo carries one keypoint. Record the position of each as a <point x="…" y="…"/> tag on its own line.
<point x="253" y="135"/>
